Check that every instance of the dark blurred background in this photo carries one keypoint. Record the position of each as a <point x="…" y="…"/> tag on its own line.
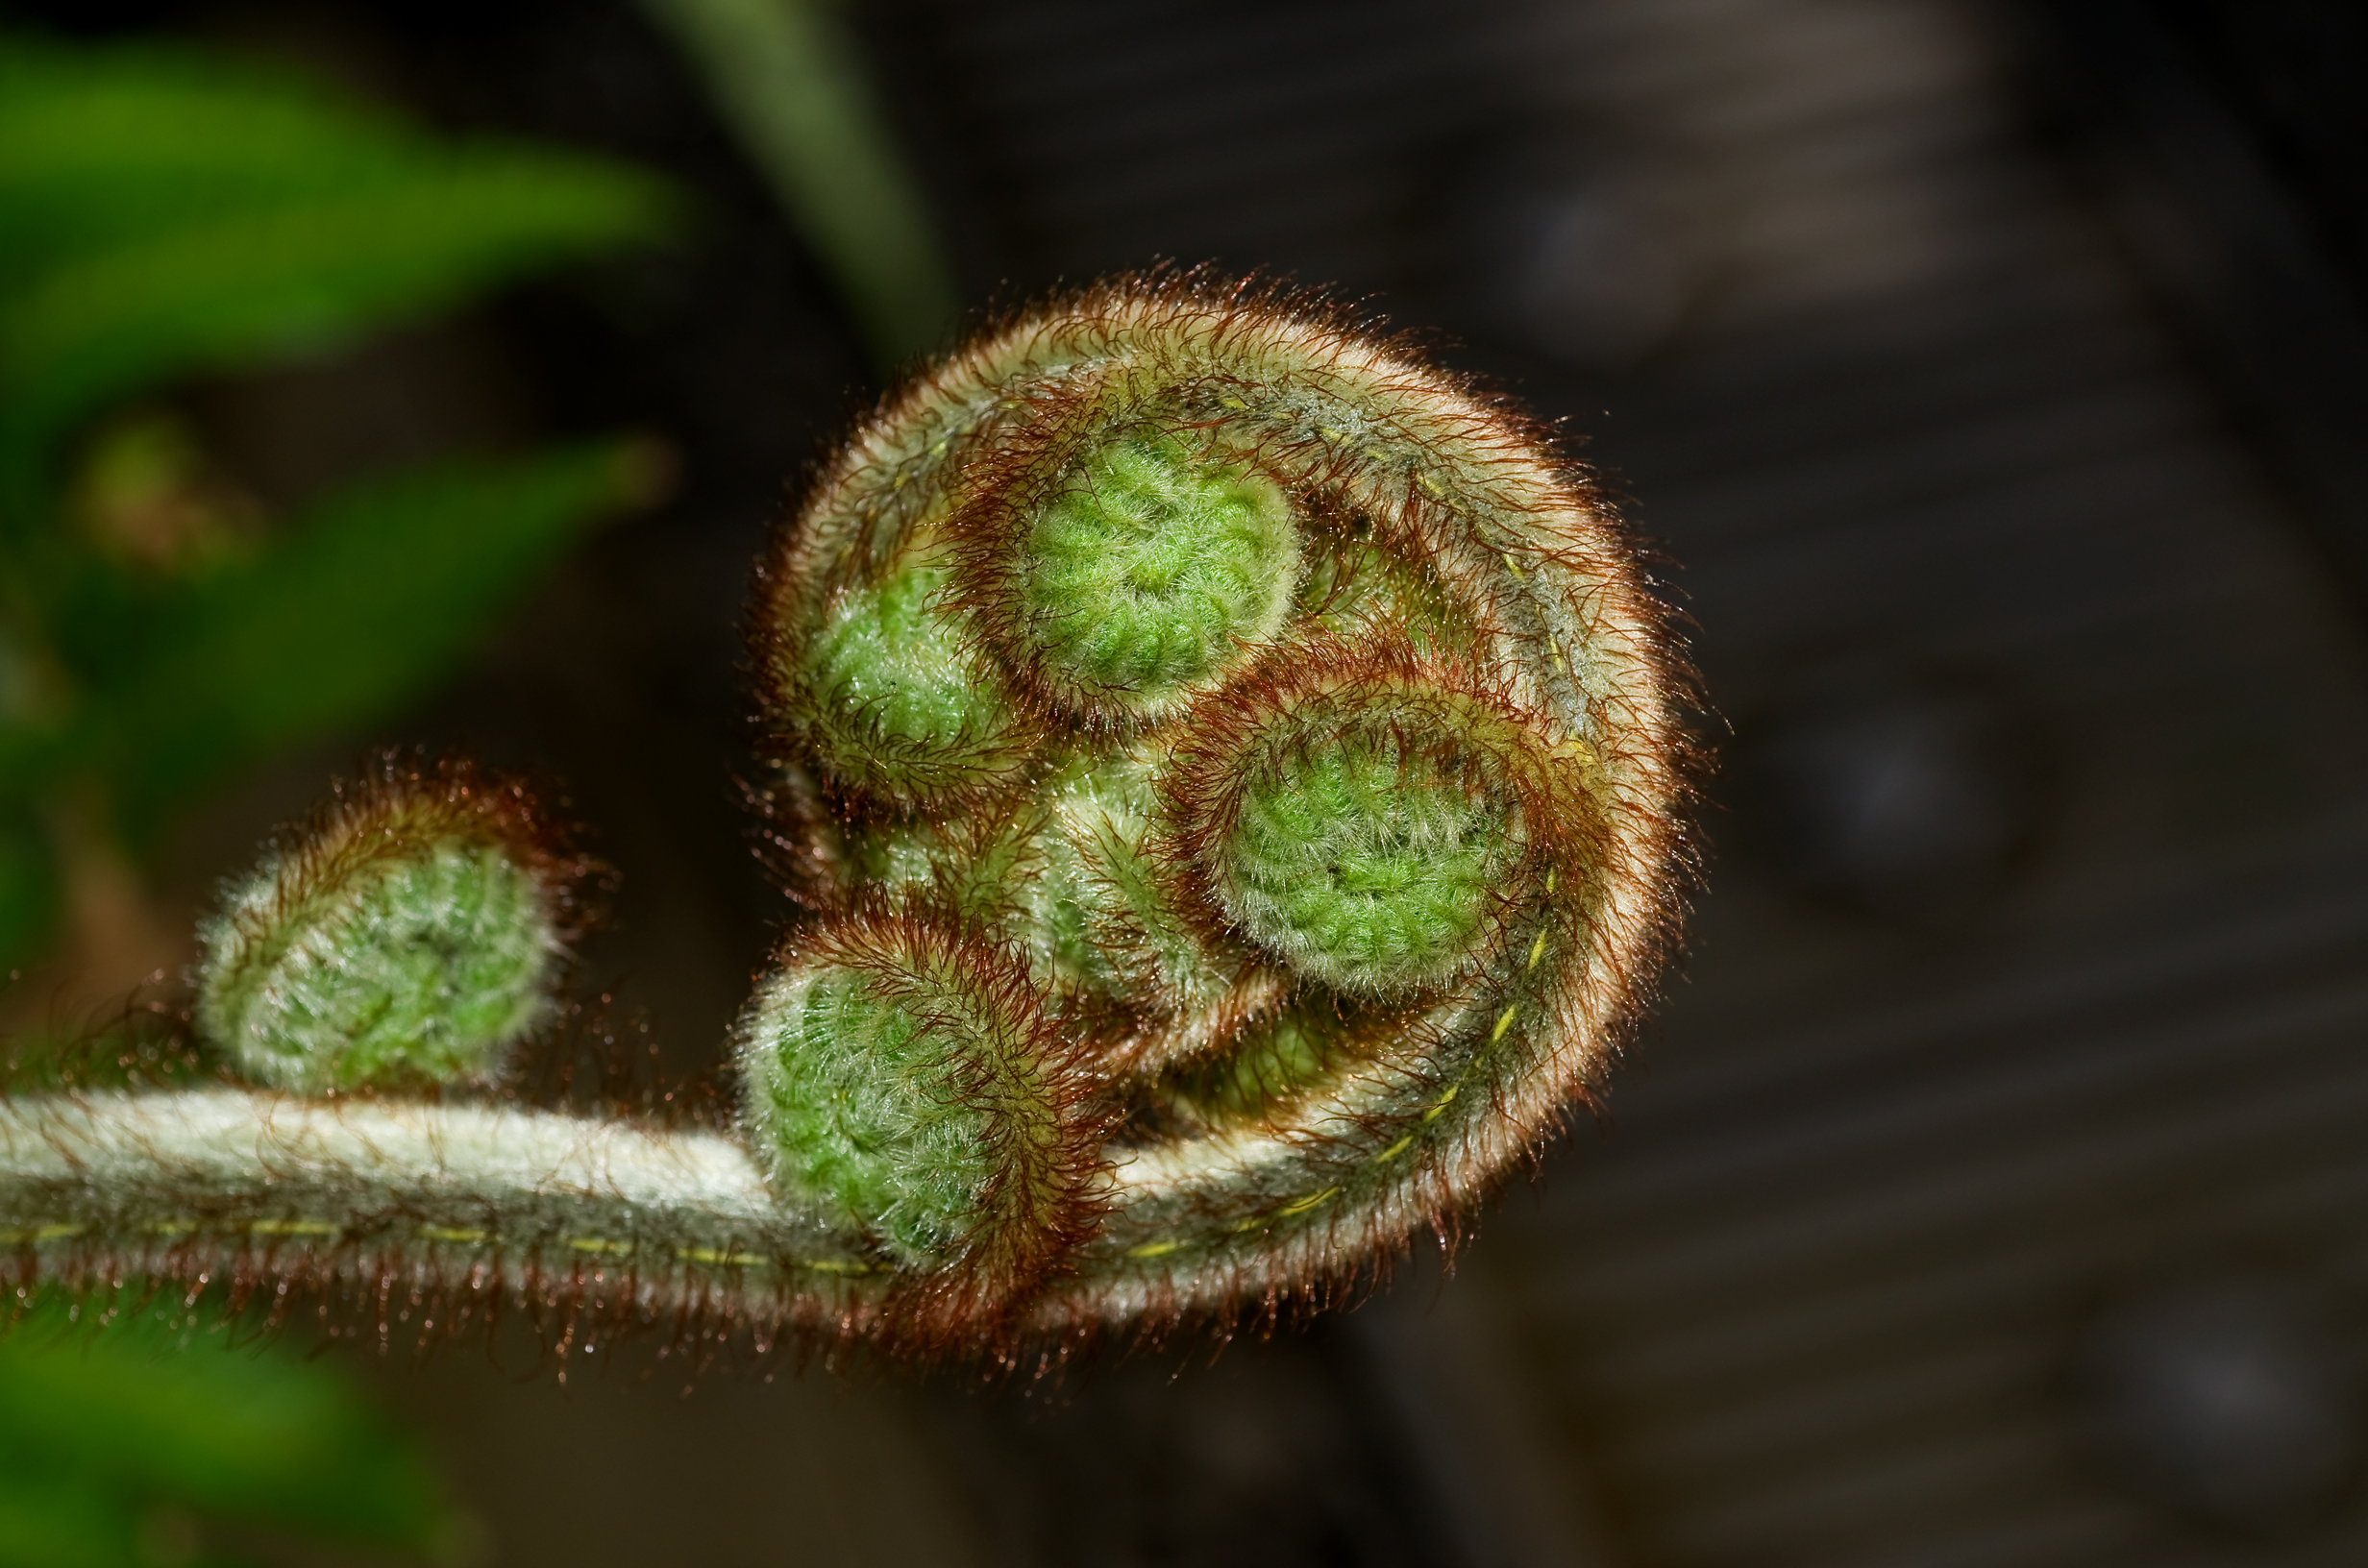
<point x="1992" y="1188"/>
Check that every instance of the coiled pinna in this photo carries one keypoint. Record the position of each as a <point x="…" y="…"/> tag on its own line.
<point x="1232" y="771"/>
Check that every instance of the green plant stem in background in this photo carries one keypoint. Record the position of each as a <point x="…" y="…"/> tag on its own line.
<point x="790" y="81"/>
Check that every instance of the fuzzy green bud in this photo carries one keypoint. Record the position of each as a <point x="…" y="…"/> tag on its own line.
<point x="410" y="934"/>
<point x="891" y="695"/>
<point x="1156" y="568"/>
<point x="899" y="1078"/>
<point x="1366" y="864"/>
<point x="857" y="1096"/>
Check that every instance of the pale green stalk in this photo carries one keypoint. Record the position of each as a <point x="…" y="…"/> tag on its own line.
<point x="791" y="81"/>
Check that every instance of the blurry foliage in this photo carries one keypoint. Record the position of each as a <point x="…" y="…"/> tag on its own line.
<point x="142" y="1444"/>
<point x="167" y="214"/>
<point x="788" y="78"/>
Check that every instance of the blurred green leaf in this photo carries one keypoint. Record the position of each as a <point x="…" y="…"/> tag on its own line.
<point x="27" y="887"/>
<point x="297" y="274"/>
<point x="103" y="147"/>
<point x="165" y="213"/>
<point x="101" y="1428"/>
<point x="50" y="1521"/>
<point x="375" y="593"/>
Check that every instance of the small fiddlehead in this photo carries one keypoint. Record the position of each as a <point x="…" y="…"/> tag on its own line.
<point x="412" y="932"/>
<point x="1231" y="772"/>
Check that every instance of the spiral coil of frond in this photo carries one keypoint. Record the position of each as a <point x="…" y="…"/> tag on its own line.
<point x="1233" y="771"/>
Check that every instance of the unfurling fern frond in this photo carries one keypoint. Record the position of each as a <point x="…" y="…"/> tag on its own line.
<point x="1231" y="771"/>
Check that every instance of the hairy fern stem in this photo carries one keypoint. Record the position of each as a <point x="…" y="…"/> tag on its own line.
<point x="1232" y="771"/>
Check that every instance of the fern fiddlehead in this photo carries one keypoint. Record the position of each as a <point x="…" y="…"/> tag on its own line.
<point x="1231" y="773"/>
<point x="409" y="932"/>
